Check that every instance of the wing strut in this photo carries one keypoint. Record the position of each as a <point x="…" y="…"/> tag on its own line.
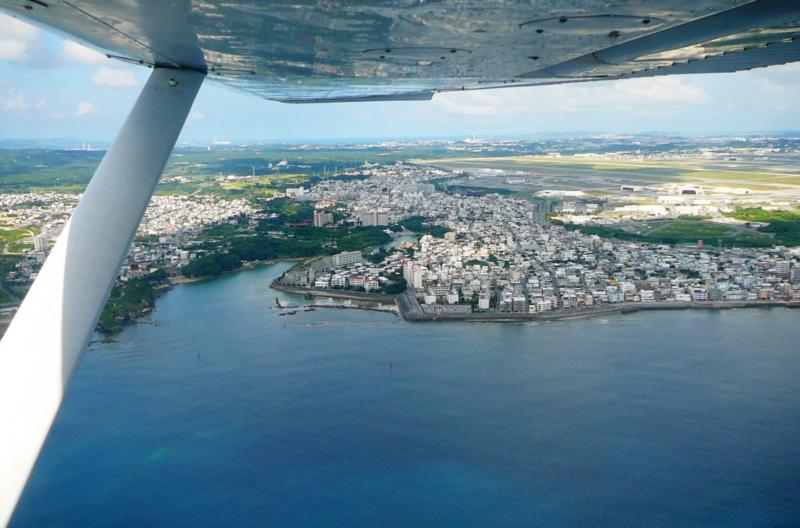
<point x="52" y="327"/>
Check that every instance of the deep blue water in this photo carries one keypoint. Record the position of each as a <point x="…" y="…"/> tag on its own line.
<point x="220" y="416"/>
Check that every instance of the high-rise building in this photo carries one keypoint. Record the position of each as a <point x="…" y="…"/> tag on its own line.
<point x="321" y="218"/>
<point x="376" y="217"/>
<point x="782" y="267"/>
<point x="382" y="218"/>
<point x="418" y="277"/>
<point x="40" y="243"/>
<point x="347" y="257"/>
<point x="408" y="271"/>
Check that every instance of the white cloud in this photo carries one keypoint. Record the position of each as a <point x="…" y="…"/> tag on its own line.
<point x="17" y="39"/>
<point x="779" y="87"/>
<point x="650" y="94"/>
<point x="74" y="52"/>
<point x="662" y="91"/>
<point x="197" y="115"/>
<point x="86" y="108"/>
<point x="113" y="78"/>
<point x="482" y="102"/>
<point x="23" y="43"/>
<point x="14" y="104"/>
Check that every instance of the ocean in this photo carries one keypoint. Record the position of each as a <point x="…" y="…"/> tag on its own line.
<point x="216" y="411"/>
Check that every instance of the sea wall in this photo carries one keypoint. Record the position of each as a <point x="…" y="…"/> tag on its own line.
<point x="411" y="311"/>
<point x="336" y="294"/>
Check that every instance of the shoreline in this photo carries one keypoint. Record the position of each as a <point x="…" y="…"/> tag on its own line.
<point x="410" y="310"/>
<point x="171" y="282"/>
<point x="246" y="266"/>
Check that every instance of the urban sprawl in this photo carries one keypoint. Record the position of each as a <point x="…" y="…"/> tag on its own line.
<point x="493" y="254"/>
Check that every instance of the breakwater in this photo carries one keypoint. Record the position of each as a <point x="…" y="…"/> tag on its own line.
<point x="336" y="294"/>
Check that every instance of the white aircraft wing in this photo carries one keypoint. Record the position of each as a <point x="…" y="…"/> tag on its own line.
<point x="318" y="51"/>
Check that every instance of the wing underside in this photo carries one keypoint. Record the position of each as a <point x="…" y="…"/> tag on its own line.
<point x="334" y="51"/>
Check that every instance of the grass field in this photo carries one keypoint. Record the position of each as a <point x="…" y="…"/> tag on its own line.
<point x="267" y="185"/>
<point x="16" y="240"/>
<point x="715" y="173"/>
<point x="689" y="229"/>
<point x="784" y="225"/>
<point x="743" y="176"/>
<point x="685" y="231"/>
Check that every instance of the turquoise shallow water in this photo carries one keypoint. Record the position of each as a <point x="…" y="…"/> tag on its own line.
<point x="216" y="415"/>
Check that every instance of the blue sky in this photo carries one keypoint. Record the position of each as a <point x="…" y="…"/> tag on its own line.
<point x="51" y="87"/>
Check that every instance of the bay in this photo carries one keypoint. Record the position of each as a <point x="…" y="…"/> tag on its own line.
<point x="217" y="411"/>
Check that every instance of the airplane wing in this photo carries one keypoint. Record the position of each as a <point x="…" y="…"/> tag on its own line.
<point x="332" y="51"/>
<point x="311" y="51"/>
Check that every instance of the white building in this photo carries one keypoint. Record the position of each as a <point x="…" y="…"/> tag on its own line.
<point x="417" y="279"/>
<point x="616" y="296"/>
<point x="782" y="267"/>
<point x="295" y="192"/>
<point x="376" y="217"/>
<point x="40" y="243"/>
<point x="483" y="302"/>
<point x="699" y="294"/>
<point x="408" y="270"/>
<point x="346" y="258"/>
<point x="647" y="295"/>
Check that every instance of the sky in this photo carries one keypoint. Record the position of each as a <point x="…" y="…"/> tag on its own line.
<point x="54" y="88"/>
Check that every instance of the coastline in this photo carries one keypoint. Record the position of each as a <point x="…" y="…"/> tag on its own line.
<point x="410" y="309"/>
<point x="171" y="282"/>
<point x="246" y="266"/>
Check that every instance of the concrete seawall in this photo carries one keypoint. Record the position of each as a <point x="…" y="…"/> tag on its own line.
<point x="336" y="294"/>
<point x="410" y="309"/>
